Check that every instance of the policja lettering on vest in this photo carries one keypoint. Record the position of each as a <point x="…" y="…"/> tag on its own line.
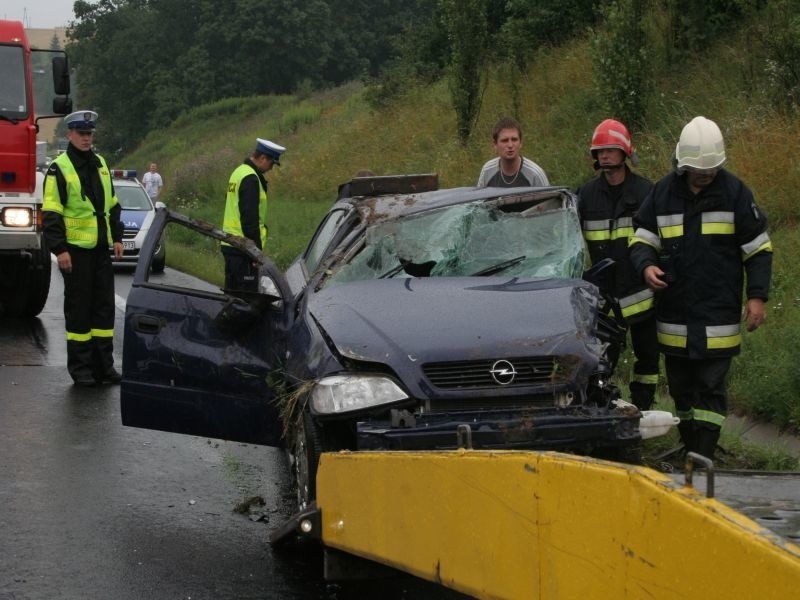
<point x="81" y="222"/>
<point x="246" y="213"/>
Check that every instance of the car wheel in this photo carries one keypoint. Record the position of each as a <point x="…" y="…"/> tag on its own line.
<point x="159" y="259"/>
<point x="306" y="449"/>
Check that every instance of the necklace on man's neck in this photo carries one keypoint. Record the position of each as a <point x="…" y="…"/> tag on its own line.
<point x="514" y="178"/>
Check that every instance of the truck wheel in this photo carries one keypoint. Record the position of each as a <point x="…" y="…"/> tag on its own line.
<point x="306" y="449"/>
<point x="27" y="295"/>
<point x="39" y="283"/>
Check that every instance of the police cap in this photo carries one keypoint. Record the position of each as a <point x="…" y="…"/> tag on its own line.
<point x="270" y="149"/>
<point x="82" y="120"/>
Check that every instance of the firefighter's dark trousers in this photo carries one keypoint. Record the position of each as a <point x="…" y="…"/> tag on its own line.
<point x="699" y="389"/>
<point x="644" y="340"/>
<point x="89" y="313"/>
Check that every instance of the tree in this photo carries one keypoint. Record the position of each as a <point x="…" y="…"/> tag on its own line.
<point x="466" y="25"/>
<point x="141" y="63"/>
<point x="622" y="63"/>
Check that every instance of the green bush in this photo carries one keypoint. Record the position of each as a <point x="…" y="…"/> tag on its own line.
<point x="780" y="34"/>
<point x="304" y="114"/>
<point x="622" y="61"/>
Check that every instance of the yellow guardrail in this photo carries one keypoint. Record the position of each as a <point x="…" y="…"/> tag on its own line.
<point x="545" y="525"/>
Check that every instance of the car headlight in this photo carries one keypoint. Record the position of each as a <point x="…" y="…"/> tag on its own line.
<point x="340" y="394"/>
<point x="17" y="217"/>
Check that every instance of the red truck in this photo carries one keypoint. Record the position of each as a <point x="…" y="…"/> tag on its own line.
<point x="34" y="85"/>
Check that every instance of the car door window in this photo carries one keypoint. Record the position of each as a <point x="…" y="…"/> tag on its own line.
<point x="196" y="260"/>
<point x="321" y="241"/>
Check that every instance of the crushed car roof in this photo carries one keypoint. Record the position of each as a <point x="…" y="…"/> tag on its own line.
<point x="387" y="206"/>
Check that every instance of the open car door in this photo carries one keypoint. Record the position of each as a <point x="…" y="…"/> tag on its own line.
<point x="197" y="359"/>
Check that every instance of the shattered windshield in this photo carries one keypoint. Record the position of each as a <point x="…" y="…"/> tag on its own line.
<point x="476" y="239"/>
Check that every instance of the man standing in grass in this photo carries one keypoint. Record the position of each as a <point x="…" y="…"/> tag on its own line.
<point x="152" y="182"/>
<point x="510" y="168"/>
<point x="246" y="212"/>
<point x="696" y="235"/>
<point x="606" y="207"/>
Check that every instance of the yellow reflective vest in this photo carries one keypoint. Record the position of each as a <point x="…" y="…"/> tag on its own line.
<point x="78" y="212"/>
<point x="231" y="221"/>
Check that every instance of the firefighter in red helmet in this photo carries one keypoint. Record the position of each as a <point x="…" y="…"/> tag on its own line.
<point x="607" y="205"/>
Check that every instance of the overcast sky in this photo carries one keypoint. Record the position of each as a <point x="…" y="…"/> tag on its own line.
<point x="38" y="14"/>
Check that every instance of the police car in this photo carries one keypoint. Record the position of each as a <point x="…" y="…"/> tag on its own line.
<point x="138" y="211"/>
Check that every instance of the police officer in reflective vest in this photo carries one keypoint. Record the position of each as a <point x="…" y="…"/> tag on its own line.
<point x="81" y="227"/>
<point x="696" y="235"/>
<point x="607" y="206"/>
<point x="246" y="212"/>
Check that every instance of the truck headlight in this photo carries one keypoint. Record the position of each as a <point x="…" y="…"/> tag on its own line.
<point x="340" y="394"/>
<point x="17" y="217"/>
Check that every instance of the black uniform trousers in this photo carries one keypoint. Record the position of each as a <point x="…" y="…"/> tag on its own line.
<point x="240" y="274"/>
<point x="699" y="389"/>
<point x="89" y="313"/>
<point x="644" y="339"/>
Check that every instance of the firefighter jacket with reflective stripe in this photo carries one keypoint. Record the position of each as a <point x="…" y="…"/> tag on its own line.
<point x="77" y="208"/>
<point x="246" y="205"/>
<point x="607" y="224"/>
<point x="704" y="243"/>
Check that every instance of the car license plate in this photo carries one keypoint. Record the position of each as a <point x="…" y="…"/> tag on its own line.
<point x="128" y="245"/>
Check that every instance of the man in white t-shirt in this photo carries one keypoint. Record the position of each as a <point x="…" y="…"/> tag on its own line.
<point x="152" y="182"/>
<point x="510" y="168"/>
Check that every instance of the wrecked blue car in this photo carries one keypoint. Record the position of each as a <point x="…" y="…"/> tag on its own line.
<point x="416" y="318"/>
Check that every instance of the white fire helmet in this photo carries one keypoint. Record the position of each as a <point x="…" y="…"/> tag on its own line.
<point x="700" y="147"/>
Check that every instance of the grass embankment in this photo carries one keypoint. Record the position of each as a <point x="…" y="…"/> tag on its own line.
<point x="331" y="135"/>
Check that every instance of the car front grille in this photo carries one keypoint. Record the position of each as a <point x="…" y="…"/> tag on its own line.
<point x="495" y="403"/>
<point x="479" y="373"/>
<point x="130" y="234"/>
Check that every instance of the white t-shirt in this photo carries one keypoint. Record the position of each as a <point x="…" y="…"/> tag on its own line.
<point x="152" y="184"/>
<point x="529" y="174"/>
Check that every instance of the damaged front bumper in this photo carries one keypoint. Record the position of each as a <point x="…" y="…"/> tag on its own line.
<point x="577" y="428"/>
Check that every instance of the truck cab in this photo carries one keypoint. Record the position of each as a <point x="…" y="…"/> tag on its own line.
<point x="35" y="86"/>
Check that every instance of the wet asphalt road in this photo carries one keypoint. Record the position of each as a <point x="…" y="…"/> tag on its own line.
<point x="92" y="509"/>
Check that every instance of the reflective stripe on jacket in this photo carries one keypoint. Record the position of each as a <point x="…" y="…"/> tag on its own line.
<point x="705" y="242"/>
<point x="78" y="212"/>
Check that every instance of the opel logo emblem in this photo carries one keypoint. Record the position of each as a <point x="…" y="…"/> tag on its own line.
<point x="503" y="372"/>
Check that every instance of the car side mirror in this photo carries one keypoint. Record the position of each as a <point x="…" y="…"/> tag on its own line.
<point x="160" y="204"/>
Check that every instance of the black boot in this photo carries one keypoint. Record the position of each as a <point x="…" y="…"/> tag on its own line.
<point x="110" y="376"/>
<point x="705" y="441"/>
<point x="79" y="362"/>
<point x="103" y="358"/>
<point x="686" y="430"/>
<point x="642" y="395"/>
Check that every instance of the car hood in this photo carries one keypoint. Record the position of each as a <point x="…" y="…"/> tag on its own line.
<point x="422" y="320"/>
<point x="133" y="219"/>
